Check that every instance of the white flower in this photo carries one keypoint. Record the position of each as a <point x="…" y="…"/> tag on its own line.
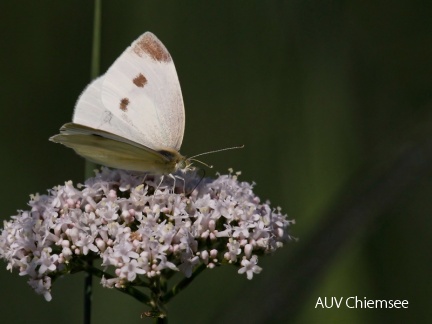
<point x="250" y="267"/>
<point x="141" y="225"/>
<point x="42" y="286"/>
<point x="130" y="270"/>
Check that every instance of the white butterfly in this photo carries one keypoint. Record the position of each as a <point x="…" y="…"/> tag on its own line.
<point x="133" y="116"/>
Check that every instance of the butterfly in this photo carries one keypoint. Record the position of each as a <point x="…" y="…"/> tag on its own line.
<point x="133" y="116"/>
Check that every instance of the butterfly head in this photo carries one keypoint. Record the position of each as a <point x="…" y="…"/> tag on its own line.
<point x="175" y="161"/>
<point x="184" y="165"/>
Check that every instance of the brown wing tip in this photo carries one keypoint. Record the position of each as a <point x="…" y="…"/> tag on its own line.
<point x="149" y="44"/>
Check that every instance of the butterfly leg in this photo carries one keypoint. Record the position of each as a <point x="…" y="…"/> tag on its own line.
<point x="184" y="182"/>
<point x="159" y="185"/>
<point x="174" y="180"/>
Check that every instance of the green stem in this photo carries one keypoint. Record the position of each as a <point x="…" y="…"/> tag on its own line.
<point x="89" y="166"/>
<point x="182" y="284"/>
<point x="129" y="290"/>
<point x="161" y="320"/>
<point x="95" y="56"/>
<point x="138" y="295"/>
<point x="95" y="66"/>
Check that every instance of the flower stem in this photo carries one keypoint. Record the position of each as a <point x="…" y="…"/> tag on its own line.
<point x="182" y="284"/>
<point x="129" y="290"/>
<point x="161" y="320"/>
<point x="95" y="56"/>
<point x="90" y="166"/>
<point x="95" y="65"/>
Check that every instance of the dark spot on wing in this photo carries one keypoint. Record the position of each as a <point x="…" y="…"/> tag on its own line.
<point x="140" y="81"/>
<point x="124" y="103"/>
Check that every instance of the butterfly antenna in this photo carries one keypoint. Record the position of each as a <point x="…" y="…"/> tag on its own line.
<point x="215" y="151"/>
<point x="203" y="163"/>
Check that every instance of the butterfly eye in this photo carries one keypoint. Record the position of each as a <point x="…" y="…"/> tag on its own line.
<point x="184" y="165"/>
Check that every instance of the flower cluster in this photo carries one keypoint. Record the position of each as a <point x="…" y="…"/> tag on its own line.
<point x="142" y="225"/>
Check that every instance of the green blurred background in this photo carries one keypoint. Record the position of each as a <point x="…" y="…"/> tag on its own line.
<point x="325" y="95"/>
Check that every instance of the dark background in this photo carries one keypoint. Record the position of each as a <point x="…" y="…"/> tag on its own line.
<point x="332" y="100"/>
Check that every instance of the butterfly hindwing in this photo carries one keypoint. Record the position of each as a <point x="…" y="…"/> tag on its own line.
<point x="114" y="151"/>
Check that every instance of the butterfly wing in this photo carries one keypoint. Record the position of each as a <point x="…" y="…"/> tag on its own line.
<point x="114" y="151"/>
<point x="139" y="97"/>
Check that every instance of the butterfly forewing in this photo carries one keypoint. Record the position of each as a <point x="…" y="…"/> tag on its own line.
<point x="142" y="89"/>
<point x="90" y="112"/>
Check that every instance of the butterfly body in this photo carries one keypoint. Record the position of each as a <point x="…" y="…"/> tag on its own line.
<point x="133" y="116"/>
